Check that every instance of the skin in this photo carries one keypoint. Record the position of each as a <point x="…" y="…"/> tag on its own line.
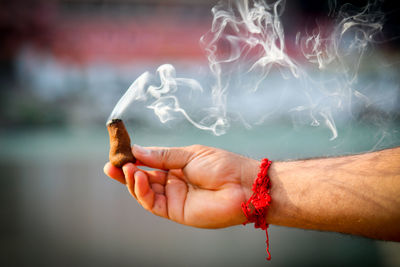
<point x="204" y="187"/>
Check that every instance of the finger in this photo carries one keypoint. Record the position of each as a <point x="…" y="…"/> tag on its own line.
<point x="158" y="189"/>
<point x="178" y="173"/>
<point x="158" y="177"/>
<point x="156" y="203"/>
<point x="176" y="191"/>
<point x="114" y="173"/>
<point x="160" y="206"/>
<point x="145" y="195"/>
<point x="129" y="172"/>
<point x="137" y="162"/>
<point x="163" y="157"/>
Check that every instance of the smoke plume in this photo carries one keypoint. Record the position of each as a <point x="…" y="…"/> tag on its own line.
<point x="248" y="59"/>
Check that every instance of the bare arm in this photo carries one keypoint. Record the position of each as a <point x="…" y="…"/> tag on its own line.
<point x="357" y="194"/>
<point x="204" y="187"/>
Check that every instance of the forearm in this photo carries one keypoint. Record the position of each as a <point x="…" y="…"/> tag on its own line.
<point x="357" y="194"/>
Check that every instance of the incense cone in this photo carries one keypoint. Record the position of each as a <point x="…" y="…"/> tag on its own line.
<point x="120" y="144"/>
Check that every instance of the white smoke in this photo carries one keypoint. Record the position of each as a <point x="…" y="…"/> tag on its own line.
<point x="161" y="94"/>
<point x="246" y="49"/>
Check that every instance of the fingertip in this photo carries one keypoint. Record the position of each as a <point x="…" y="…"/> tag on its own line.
<point x="140" y="150"/>
<point x="129" y="171"/>
<point x="114" y="172"/>
<point x="106" y="167"/>
<point x="143" y="155"/>
<point x="127" y="166"/>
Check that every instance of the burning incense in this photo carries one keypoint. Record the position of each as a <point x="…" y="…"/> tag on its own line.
<point x="120" y="144"/>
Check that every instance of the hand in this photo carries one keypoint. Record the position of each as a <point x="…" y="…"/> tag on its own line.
<point x="197" y="185"/>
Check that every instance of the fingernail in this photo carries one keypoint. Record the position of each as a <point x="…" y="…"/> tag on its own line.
<point x="141" y="150"/>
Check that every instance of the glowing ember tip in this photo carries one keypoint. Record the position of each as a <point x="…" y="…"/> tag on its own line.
<point x="120" y="143"/>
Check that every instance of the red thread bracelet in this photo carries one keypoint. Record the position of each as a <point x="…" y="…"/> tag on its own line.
<point x="255" y="209"/>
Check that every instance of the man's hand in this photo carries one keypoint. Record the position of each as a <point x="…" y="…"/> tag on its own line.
<point x="196" y="185"/>
<point x="204" y="187"/>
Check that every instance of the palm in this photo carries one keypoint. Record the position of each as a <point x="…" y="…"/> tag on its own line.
<point x="201" y="186"/>
<point x="213" y="191"/>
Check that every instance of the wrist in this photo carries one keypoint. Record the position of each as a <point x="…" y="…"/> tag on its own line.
<point x="256" y="207"/>
<point x="276" y="171"/>
<point x="249" y="170"/>
<point x="276" y="212"/>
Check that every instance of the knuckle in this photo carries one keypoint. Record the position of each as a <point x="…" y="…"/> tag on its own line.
<point x="164" y="155"/>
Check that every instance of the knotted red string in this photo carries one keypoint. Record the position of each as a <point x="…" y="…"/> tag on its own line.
<point x="255" y="209"/>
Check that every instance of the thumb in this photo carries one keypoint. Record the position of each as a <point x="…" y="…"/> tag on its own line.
<point x="164" y="158"/>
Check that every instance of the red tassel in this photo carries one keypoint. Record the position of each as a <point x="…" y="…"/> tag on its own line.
<point x="255" y="209"/>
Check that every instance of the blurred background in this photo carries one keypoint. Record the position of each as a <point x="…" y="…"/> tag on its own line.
<point x="64" y="65"/>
